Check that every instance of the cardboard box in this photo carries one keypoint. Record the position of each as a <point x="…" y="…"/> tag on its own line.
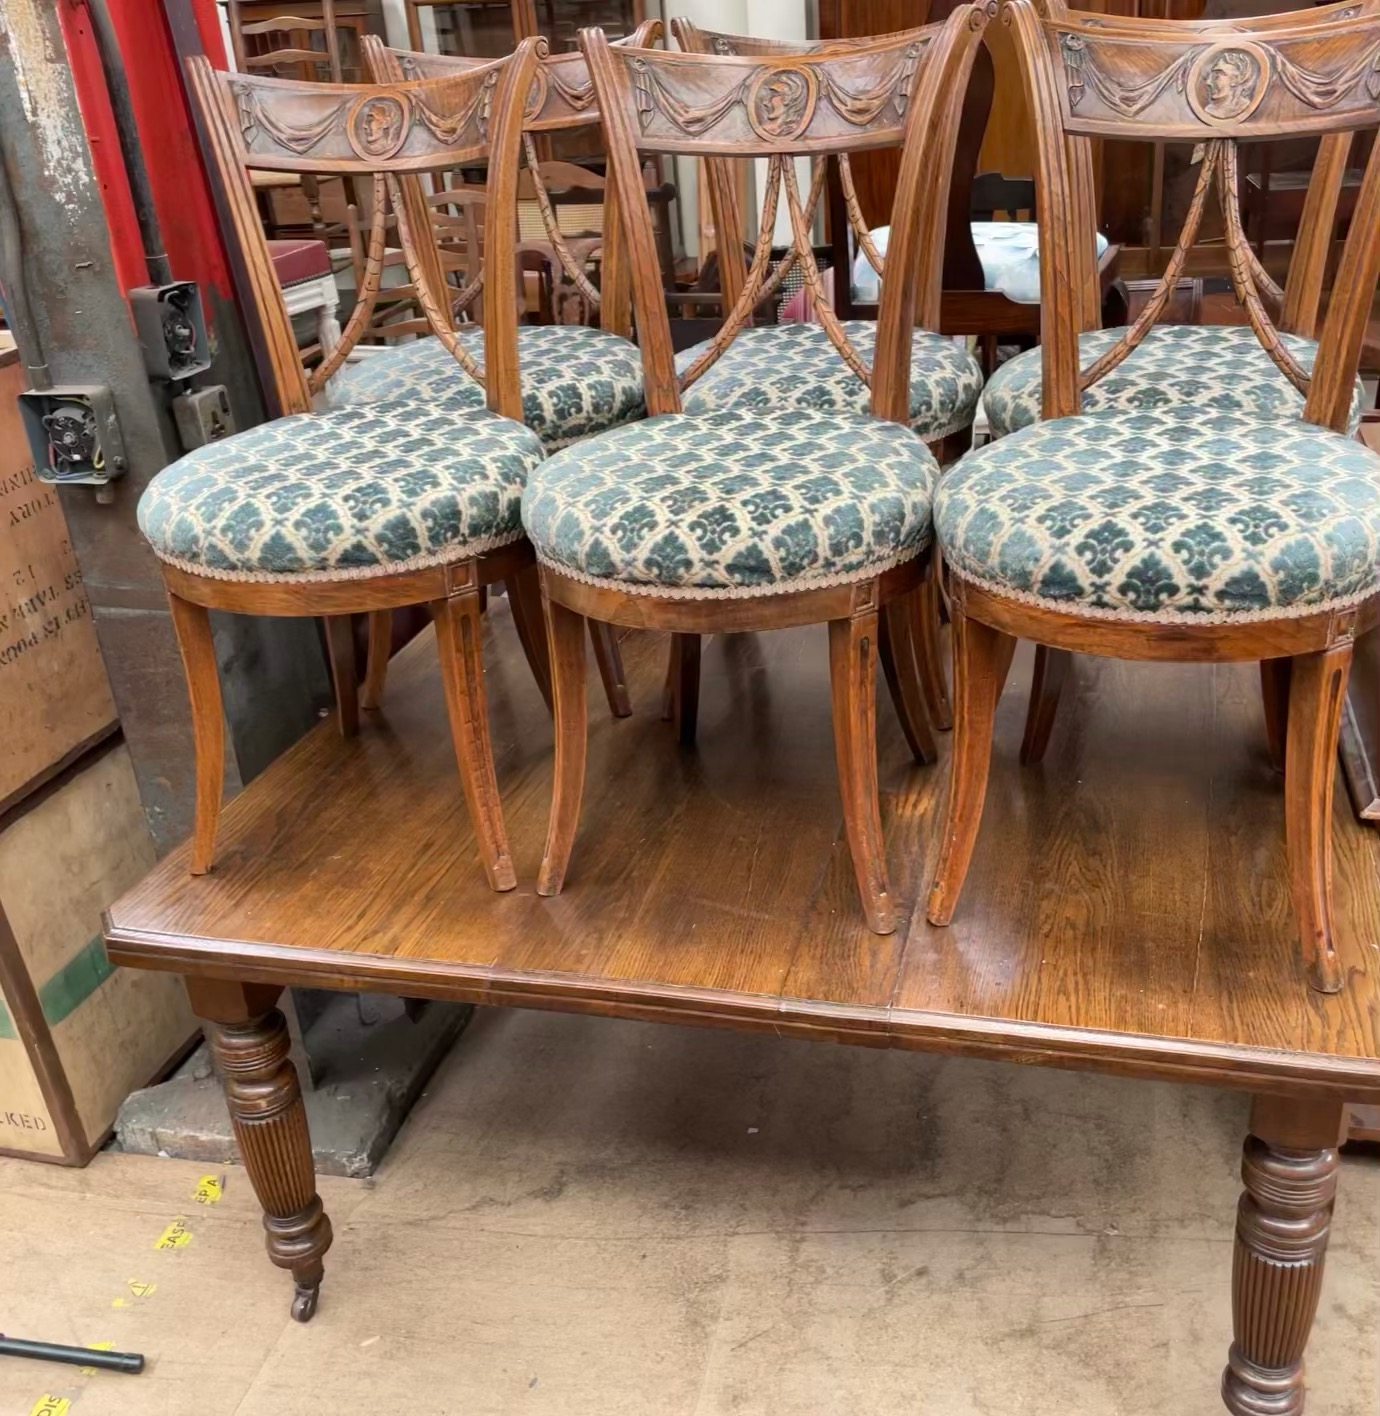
<point x="76" y="1036"/>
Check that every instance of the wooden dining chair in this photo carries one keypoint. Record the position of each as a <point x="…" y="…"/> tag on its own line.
<point x="373" y="507"/>
<point x="1180" y="365"/>
<point x="577" y="381"/>
<point x="1186" y="531"/>
<point x="750" y="518"/>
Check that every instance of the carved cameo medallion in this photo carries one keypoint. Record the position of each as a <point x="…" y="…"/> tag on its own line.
<point x="781" y="102"/>
<point x="1228" y="83"/>
<point x="378" y="126"/>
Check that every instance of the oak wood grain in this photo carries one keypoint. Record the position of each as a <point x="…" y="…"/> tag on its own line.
<point x="714" y="887"/>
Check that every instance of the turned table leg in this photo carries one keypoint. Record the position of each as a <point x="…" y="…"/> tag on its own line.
<point x="250" y="1042"/>
<point x="1290" y="1170"/>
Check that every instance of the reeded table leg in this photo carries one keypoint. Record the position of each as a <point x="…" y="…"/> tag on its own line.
<point x="1282" y="1225"/>
<point x="250" y="1041"/>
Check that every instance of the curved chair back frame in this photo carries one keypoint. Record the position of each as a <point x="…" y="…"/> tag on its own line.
<point x="1216" y="87"/>
<point x="562" y="98"/>
<point x="387" y="133"/>
<point x="896" y="93"/>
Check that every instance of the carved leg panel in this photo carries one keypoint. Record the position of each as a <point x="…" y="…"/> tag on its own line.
<point x="270" y="1125"/>
<point x="1282" y="1229"/>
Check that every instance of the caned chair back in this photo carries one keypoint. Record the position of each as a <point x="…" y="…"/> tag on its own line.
<point x="385" y="133"/>
<point x="901" y="93"/>
<point x="1216" y="85"/>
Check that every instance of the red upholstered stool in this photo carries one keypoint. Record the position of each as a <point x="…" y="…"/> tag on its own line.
<point x="303" y="268"/>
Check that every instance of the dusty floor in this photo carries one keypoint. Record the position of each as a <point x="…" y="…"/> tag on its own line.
<point x="587" y="1217"/>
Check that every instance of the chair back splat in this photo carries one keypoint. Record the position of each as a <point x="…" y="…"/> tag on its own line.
<point x="1090" y="77"/>
<point x="386" y="133"/>
<point x="904" y="91"/>
<point x="562" y="98"/>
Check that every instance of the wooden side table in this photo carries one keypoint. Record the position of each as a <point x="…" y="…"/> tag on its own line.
<point x="1150" y="943"/>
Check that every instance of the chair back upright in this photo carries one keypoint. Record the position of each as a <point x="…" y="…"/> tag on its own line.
<point x="1217" y="84"/>
<point x="382" y="134"/>
<point x="901" y="93"/>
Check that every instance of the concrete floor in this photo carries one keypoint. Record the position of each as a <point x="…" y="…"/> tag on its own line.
<point x="585" y="1218"/>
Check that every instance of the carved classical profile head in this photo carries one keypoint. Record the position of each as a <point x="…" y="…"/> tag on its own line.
<point x="378" y="126"/>
<point x="1229" y="83"/>
<point x="781" y="103"/>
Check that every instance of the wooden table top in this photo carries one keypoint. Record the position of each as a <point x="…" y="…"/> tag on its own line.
<point x="1127" y="907"/>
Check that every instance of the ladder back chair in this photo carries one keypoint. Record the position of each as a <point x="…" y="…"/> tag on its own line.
<point x="374" y="507"/>
<point x="1182" y="532"/>
<point x="749" y="519"/>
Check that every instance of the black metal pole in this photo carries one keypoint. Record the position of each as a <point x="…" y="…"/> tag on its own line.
<point x="113" y="65"/>
<point x="131" y="1362"/>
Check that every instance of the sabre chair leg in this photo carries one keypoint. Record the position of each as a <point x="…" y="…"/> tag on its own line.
<point x="567" y="636"/>
<point x="458" y="639"/>
<point x="681" y="702"/>
<point x="930" y="653"/>
<point x="192" y="625"/>
<point x="1046" y="688"/>
<point x="899" y="639"/>
<point x="376" y="665"/>
<point x="982" y="657"/>
<point x="853" y="688"/>
<point x="340" y="642"/>
<point x="524" y="597"/>
<point x="1317" y="690"/>
<point x="1274" y="694"/>
<point x="610" y="661"/>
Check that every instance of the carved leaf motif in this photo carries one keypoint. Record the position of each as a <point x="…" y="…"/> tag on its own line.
<point x="255" y="118"/>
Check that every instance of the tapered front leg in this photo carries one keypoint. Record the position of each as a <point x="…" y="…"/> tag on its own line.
<point x="340" y="641"/>
<point x="681" y="701"/>
<point x="249" y="1039"/>
<point x="1046" y="688"/>
<point x="1290" y="1171"/>
<point x="900" y="641"/>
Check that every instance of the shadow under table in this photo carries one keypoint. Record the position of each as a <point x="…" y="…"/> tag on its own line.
<point x="1127" y="910"/>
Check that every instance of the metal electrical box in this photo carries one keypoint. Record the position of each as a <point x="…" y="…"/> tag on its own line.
<point x="73" y="434"/>
<point x="172" y="329"/>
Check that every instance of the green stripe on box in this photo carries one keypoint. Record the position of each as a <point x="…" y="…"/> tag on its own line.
<point x="6" y="1024"/>
<point x="75" y="982"/>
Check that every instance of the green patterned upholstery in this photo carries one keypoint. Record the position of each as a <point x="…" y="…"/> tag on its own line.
<point x="1196" y="368"/>
<point x="328" y="496"/>
<point x="1150" y="516"/>
<point x="733" y="504"/>
<point x="575" y="381"/>
<point x="780" y="367"/>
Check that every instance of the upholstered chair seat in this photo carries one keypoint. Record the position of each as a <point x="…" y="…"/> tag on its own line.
<point x="575" y="381"/>
<point x="787" y="366"/>
<point x="735" y="503"/>
<point x="365" y="491"/>
<point x="1151" y="516"/>
<point x="1189" y="368"/>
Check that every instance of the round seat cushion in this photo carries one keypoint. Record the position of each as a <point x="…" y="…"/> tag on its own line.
<point x="1156" y="517"/>
<point x="575" y="381"/>
<point x="780" y="367"/>
<point x="733" y="503"/>
<point x="1194" y="368"/>
<point x="326" y="496"/>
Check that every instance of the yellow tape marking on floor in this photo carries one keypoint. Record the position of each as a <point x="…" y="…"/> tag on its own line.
<point x="175" y="1236"/>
